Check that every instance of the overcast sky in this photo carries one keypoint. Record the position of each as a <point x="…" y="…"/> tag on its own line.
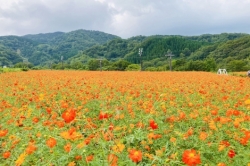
<point x="125" y="18"/>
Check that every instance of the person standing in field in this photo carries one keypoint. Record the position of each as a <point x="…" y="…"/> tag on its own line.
<point x="248" y="73"/>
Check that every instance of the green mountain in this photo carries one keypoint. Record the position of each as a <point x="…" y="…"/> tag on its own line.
<point x="11" y="48"/>
<point x="45" y="38"/>
<point x="154" y="47"/>
<point x="217" y="38"/>
<point x="83" y="47"/>
<point x="8" y="57"/>
<point x="227" y="54"/>
<point x="42" y="49"/>
<point x="205" y="52"/>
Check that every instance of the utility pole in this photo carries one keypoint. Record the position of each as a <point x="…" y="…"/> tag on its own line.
<point x="140" y="54"/>
<point x="62" y="61"/>
<point x="100" y="63"/>
<point x="169" y="54"/>
<point x="50" y="65"/>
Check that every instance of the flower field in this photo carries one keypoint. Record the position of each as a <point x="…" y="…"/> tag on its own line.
<point x="124" y="118"/>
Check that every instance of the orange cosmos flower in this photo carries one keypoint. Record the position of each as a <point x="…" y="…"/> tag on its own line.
<point x="225" y="143"/>
<point x="103" y="115"/>
<point x="191" y="158"/>
<point x="6" y="154"/>
<point x="247" y="134"/>
<point x="72" y="163"/>
<point x="231" y="153"/>
<point x="135" y="155"/>
<point x="203" y="136"/>
<point x="51" y="142"/>
<point x="78" y="157"/>
<point x="31" y="148"/>
<point x="112" y="159"/>
<point x="49" y="110"/>
<point x="69" y="115"/>
<point x="3" y="132"/>
<point x="64" y="105"/>
<point x="60" y="124"/>
<point x="140" y="125"/>
<point x="214" y="112"/>
<point x="221" y="164"/>
<point x="71" y="134"/>
<point x="244" y="141"/>
<point x="153" y="125"/>
<point x="35" y="119"/>
<point x="67" y="148"/>
<point x="173" y="139"/>
<point x="89" y="158"/>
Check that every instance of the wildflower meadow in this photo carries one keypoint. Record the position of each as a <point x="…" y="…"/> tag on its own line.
<point x="69" y="118"/>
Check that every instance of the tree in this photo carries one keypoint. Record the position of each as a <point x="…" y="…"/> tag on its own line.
<point x="23" y="65"/>
<point x="76" y="65"/>
<point x="120" y="65"/>
<point x="186" y="52"/>
<point x="151" y="69"/>
<point x="133" y="67"/>
<point x="93" y="64"/>
<point x="196" y="66"/>
<point x="210" y="64"/>
<point x="237" y="65"/>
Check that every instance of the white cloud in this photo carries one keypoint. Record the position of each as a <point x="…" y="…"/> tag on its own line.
<point x="125" y="18"/>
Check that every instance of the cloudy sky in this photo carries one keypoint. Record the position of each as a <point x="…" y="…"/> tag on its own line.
<point x="125" y="18"/>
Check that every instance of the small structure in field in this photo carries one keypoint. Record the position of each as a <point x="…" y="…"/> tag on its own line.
<point x="222" y="72"/>
<point x="248" y="73"/>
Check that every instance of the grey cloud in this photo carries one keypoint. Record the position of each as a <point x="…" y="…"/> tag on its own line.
<point x="125" y="18"/>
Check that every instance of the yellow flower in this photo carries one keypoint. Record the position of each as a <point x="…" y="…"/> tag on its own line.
<point x="173" y="139"/>
<point x="21" y="159"/>
<point x="159" y="153"/>
<point x="118" y="148"/>
<point x="221" y="147"/>
<point x="247" y="102"/>
<point x="72" y="163"/>
<point x="81" y="145"/>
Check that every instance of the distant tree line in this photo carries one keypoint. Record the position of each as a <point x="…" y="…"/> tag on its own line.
<point x="180" y="64"/>
<point x="81" y="49"/>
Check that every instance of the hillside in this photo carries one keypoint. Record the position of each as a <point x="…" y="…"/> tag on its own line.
<point x="217" y="38"/>
<point x="44" y="38"/>
<point x="41" y="49"/>
<point x="82" y="46"/>
<point x="154" y="47"/>
<point x="8" y="57"/>
<point x="233" y="54"/>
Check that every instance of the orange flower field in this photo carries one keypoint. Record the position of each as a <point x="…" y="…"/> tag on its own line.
<point x="124" y="118"/>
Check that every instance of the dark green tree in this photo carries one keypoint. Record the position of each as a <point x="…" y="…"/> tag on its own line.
<point x="120" y="65"/>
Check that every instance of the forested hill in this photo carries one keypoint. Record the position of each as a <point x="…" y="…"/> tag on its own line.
<point x="81" y="46"/>
<point x="13" y="47"/>
<point x="8" y="56"/>
<point x="82" y="37"/>
<point x="41" y="49"/>
<point x="154" y="47"/>
<point x="233" y="54"/>
<point x="45" y="38"/>
<point x="217" y="38"/>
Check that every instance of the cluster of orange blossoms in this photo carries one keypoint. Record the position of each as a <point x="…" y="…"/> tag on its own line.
<point x="190" y="157"/>
<point x="69" y="115"/>
<point x="124" y="118"/>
